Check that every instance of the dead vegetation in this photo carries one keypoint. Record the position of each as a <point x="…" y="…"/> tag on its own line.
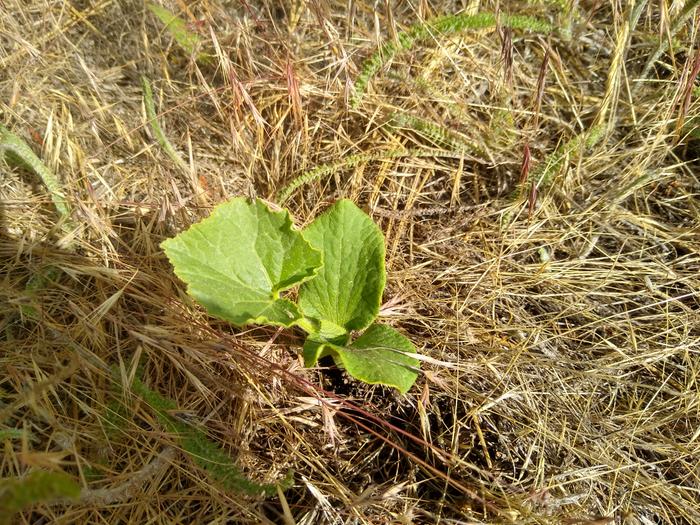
<point x="538" y="191"/>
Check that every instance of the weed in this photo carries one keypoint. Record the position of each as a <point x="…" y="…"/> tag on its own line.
<point x="204" y="452"/>
<point x="444" y="25"/>
<point x="157" y="130"/>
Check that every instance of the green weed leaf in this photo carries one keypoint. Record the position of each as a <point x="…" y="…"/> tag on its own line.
<point x="177" y="27"/>
<point x="348" y="288"/>
<point x="207" y="454"/>
<point x="238" y="260"/>
<point x="18" y="494"/>
<point x="379" y="356"/>
<point x="155" y="126"/>
<point x="18" y="151"/>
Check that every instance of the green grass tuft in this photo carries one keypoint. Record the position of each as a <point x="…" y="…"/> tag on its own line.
<point x="12" y="433"/>
<point x="18" y="152"/>
<point x="35" y="284"/>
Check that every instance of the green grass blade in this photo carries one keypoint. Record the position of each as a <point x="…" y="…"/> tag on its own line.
<point x="156" y="129"/>
<point x="351" y="161"/>
<point x="205" y="453"/>
<point x="177" y="27"/>
<point x="18" y="151"/>
<point x="444" y="25"/>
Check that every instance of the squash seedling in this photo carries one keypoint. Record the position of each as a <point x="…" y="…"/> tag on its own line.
<point x="239" y="260"/>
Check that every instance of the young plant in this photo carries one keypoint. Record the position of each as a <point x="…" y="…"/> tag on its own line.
<point x="239" y="260"/>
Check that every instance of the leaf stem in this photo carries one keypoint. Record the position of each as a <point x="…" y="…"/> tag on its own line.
<point x="307" y="325"/>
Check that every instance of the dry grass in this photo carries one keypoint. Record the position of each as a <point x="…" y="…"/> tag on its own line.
<point x="556" y="301"/>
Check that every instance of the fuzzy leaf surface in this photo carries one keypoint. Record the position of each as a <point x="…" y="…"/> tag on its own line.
<point x="380" y="355"/>
<point x="238" y="260"/>
<point x="348" y="288"/>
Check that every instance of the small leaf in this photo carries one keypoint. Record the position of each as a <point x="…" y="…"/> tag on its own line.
<point x="187" y="40"/>
<point x="238" y="260"/>
<point x="19" y="152"/>
<point x="39" y="486"/>
<point x="380" y="356"/>
<point x="156" y="129"/>
<point x="348" y="289"/>
<point x="313" y="350"/>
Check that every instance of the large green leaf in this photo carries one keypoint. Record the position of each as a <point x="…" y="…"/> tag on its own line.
<point x="380" y="355"/>
<point x="348" y="289"/>
<point x="238" y="260"/>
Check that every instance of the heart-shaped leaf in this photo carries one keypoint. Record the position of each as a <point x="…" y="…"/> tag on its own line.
<point x="238" y="260"/>
<point x="348" y="288"/>
<point x="380" y="355"/>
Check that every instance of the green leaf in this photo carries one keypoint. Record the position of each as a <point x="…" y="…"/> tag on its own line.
<point x="156" y="129"/>
<point x="187" y="40"/>
<point x="19" y="152"/>
<point x="207" y="454"/>
<point x="313" y="350"/>
<point x="39" y="486"/>
<point x="380" y="355"/>
<point x="238" y="260"/>
<point x="348" y="289"/>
